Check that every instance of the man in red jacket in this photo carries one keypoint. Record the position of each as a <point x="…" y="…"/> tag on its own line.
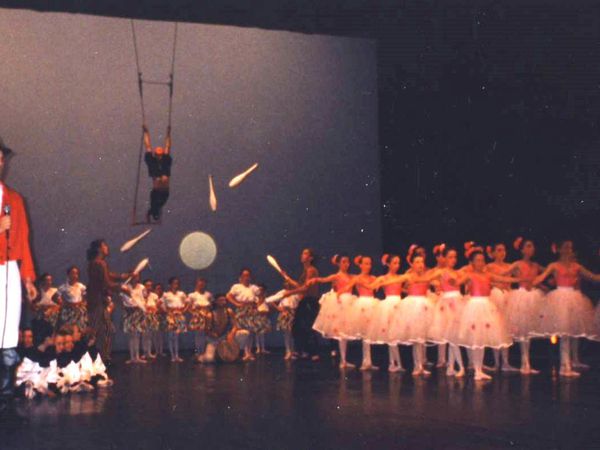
<point x="16" y="267"/>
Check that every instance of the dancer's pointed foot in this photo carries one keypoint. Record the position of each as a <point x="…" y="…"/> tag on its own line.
<point x="460" y="373"/>
<point x="481" y="376"/>
<point x="569" y="373"/>
<point x="509" y="369"/>
<point x="347" y="365"/>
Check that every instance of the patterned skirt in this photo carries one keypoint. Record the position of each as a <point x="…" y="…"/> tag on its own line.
<point x="198" y="320"/>
<point x="247" y="318"/>
<point x="176" y="322"/>
<point x="74" y="314"/>
<point x="152" y="321"/>
<point x="48" y="314"/>
<point x="263" y="323"/>
<point x="285" y="319"/>
<point x="134" y="320"/>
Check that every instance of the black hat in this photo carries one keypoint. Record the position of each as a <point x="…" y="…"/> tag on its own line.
<point x="6" y="151"/>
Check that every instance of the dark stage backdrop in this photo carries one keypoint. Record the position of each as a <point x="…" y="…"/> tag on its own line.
<point x="304" y="107"/>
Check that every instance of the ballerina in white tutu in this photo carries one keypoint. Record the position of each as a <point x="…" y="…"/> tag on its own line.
<point x="499" y="296"/>
<point x="567" y="313"/>
<point x="481" y="324"/>
<point x="380" y="329"/>
<point x="525" y="303"/>
<point x="332" y="320"/>
<point x="440" y="259"/>
<point x="448" y="310"/>
<point x="411" y="325"/>
<point x="363" y="310"/>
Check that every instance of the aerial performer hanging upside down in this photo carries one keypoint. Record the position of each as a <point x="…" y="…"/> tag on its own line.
<point x="159" y="163"/>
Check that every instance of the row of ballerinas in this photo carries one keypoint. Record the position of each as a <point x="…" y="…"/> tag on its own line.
<point x="435" y="311"/>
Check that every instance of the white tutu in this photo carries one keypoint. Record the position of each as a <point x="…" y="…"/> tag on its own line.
<point x="482" y="325"/>
<point x="499" y="298"/>
<point x="413" y="321"/>
<point x="332" y="320"/>
<point x="567" y="312"/>
<point x="446" y="318"/>
<point x="359" y="317"/>
<point x="523" y="312"/>
<point x="379" y="331"/>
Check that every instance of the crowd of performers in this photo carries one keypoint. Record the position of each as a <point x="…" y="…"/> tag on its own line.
<point x="484" y="304"/>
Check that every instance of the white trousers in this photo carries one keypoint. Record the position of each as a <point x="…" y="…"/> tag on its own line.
<point x="241" y="337"/>
<point x="10" y="311"/>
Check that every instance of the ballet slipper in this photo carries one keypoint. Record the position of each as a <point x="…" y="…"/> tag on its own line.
<point x="441" y="365"/>
<point x="569" y="373"/>
<point x="426" y="373"/>
<point x="481" y="376"/>
<point x="490" y="368"/>
<point x="450" y="372"/>
<point x="394" y="368"/>
<point x="364" y="367"/>
<point x="460" y="373"/>
<point x="347" y="365"/>
<point x="287" y="356"/>
<point x="417" y="372"/>
<point x="130" y="361"/>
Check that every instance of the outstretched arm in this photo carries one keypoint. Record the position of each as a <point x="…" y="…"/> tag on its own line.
<point x="589" y="275"/>
<point x="322" y="280"/>
<point x="168" y="141"/>
<point x="545" y="274"/>
<point x="147" y="143"/>
<point x="504" y="279"/>
<point x="393" y="280"/>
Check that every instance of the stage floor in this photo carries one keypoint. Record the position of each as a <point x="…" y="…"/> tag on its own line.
<point x="273" y="404"/>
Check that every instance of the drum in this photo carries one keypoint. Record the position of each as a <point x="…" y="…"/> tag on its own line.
<point x="228" y="351"/>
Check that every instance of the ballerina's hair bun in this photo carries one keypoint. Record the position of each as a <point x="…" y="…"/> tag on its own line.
<point x="385" y="259"/>
<point x="411" y="251"/>
<point x="470" y="248"/>
<point x="439" y="249"/>
<point x="518" y="242"/>
<point x="335" y="260"/>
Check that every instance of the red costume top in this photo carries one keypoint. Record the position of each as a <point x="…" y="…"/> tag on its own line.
<point x="18" y="246"/>
<point x="567" y="276"/>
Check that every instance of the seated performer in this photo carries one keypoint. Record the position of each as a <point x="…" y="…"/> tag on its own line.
<point x="159" y="169"/>
<point x="221" y="324"/>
